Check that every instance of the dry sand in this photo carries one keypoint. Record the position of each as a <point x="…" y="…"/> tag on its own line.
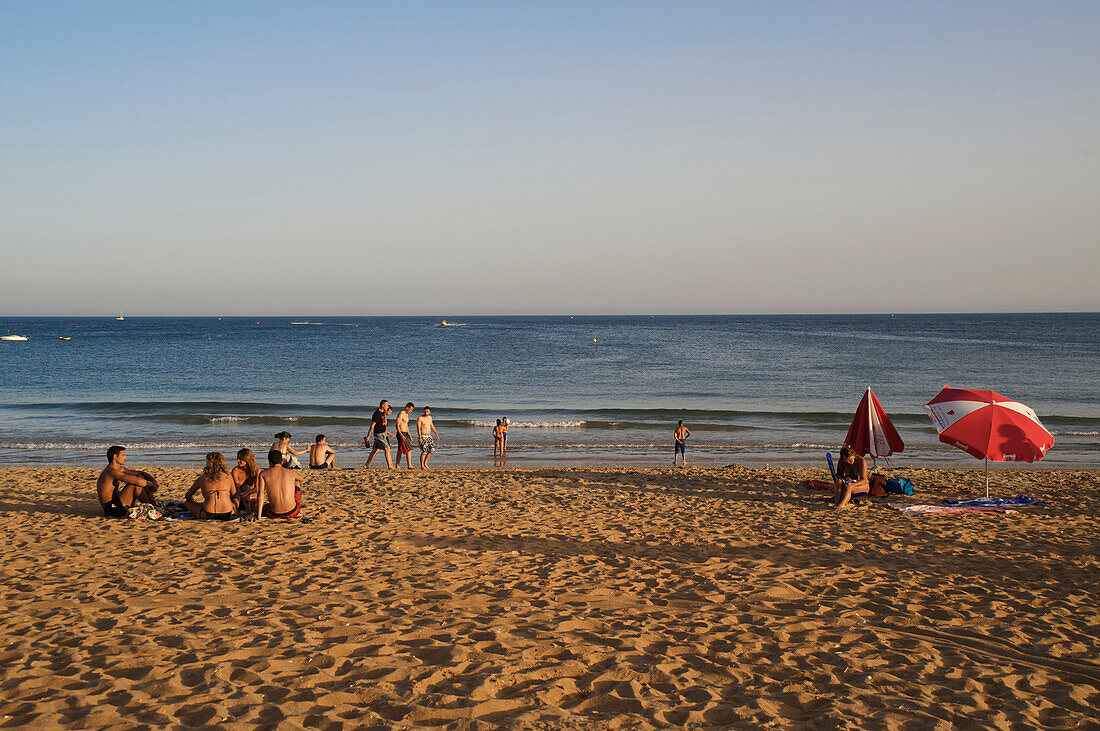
<point x="554" y="598"/>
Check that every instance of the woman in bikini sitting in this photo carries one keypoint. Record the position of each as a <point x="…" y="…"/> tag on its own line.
<point x="851" y="477"/>
<point x="244" y="477"/>
<point x="218" y="491"/>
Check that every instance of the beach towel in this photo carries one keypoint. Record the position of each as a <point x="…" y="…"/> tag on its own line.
<point x="926" y="509"/>
<point x="144" y="511"/>
<point x="1020" y="501"/>
<point x="818" y="485"/>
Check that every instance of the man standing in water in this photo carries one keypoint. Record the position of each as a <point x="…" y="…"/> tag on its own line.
<point x="680" y="442"/>
<point x="404" y="439"/>
<point x="119" y="488"/>
<point x="425" y="428"/>
<point x="377" y="429"/>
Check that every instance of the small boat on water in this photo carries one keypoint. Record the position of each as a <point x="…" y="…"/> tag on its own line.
<point x="120" y="315"/>
<point x="452" y="324"/>
<point x="14" y="338"/>
<point x="63" y="337"/>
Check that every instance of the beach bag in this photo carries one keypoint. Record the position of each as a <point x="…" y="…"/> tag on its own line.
<point x="878" y="485"/>
<point x="899" y="486"/>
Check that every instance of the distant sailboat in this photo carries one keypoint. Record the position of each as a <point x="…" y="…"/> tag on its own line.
<point x="120" y="315"/>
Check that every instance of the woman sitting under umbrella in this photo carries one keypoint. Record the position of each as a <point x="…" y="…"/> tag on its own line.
<point x="851" y="477"/>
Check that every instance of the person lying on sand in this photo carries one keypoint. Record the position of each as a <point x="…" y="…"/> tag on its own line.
<point x="119" y="488"/>
<point x="219" y="491"/>
<point x="851" y="477"/>
<point x="281" y="488"/>
<point x="321" y="455"/>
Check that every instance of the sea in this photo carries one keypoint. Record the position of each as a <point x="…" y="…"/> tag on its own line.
<point x="577" y="390"/>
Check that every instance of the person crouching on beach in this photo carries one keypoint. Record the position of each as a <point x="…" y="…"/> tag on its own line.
<point x="281" y="488"/>
<point x="119" y="488"/>
<point x="219" y="491"/>
<point x="245" y="476"/>
<point x="680" y="442"/>
<point x="290" y="454"/>
<point x="321" y="455"/>
<point x="851" y="478"/>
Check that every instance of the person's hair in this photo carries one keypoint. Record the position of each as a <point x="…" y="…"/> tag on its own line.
<point x="274" y="457"/>
<point x="383" y="402"/>
<point x="680" y="422"/>
<point x="283" y="435"/>
<point x="846" y="452"/>
<point x="410" y="405"/>
<point x="498" y="422"/>
<point x="249" y="459"/>
<point x="215" y="465"/>
<point x="320" y="438"/>
<point x="112" y="452"/>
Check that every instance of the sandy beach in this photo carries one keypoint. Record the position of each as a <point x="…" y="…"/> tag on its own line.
<point x="554" y="598"/>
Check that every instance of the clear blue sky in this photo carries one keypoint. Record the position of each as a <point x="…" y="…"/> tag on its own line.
<point x="567" y="157"/>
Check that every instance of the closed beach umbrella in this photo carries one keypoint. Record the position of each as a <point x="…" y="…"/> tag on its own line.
<point x="871" y="432"/>
<point x="989" y="426"/>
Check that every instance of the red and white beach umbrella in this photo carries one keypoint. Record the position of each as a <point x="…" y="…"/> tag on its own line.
<point x="989" y="426"/>
<point x="871" y="432"/>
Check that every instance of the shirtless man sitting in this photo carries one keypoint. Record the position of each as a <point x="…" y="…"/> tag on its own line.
<point x="119" y="488"/>
<point x="321" y="455"/>
<point x="219" y="491"/>
<point x="281" y="488"/>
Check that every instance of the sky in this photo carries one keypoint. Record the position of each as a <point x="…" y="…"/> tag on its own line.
<point x="369" y="158"/>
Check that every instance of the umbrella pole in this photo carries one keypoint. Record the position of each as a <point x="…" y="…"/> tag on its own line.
<point x="987" y="478"/>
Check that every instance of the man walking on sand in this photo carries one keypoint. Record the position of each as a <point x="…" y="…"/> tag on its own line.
<point x="381" y="441"/>
<point x="282" y="488"/>
<point x="680" y="442"/>
<point x="119" y="488"/>
<point x="404" y="439"/>
<point x="425" y="428"/>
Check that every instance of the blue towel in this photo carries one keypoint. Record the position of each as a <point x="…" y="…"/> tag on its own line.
<point x="1020" y="501"/>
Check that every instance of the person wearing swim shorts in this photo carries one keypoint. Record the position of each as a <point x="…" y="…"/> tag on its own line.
<point x="404" y="439"/>
<point x="119" y="488"/>
<point x="281" y="488"/>
<point x="378" y="439"/>
<point x="321" y="455"/>
<point x="425" y="428"/>
<point x="680" y="442"/>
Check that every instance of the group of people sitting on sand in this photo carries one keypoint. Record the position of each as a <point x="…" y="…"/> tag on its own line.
<point x="217" y="494"/>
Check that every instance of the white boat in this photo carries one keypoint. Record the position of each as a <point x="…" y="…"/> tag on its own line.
<point x="120" y="316"/>
<point x="14" y="337"/>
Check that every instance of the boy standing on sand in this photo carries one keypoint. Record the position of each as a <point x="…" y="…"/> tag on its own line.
<point x="425" y="428"/>
<point x="119" y="488"/>
<point x="680" y="442"/>
<point x="404" y="439"/>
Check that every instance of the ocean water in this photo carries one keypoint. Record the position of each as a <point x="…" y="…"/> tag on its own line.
<point x="578" y="390"/>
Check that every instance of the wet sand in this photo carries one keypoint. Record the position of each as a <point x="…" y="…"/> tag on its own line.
<point x="554" y="598"/>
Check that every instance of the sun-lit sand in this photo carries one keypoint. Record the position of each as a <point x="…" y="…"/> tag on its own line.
<point x="554" y="598"/>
